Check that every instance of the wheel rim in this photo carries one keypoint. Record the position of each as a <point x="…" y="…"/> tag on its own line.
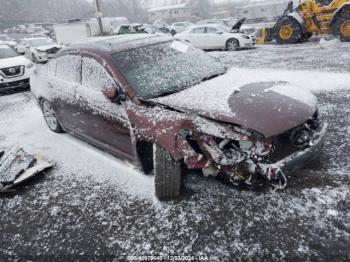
<point x="49" y="115"/>
<point x="345" y="29"/>
<point x="286" y="32"/>
<point x="232" y="45"/>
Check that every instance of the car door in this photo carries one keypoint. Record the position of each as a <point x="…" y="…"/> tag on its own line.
<point x="196" y="37"/>
<point x="102" y="122"/>
<point x="63" y="80"/>
<point x="215" y="38"/>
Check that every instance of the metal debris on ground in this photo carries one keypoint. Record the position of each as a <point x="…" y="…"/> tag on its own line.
<point x="17" y="166"/>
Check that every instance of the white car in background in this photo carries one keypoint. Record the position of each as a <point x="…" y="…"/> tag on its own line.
<point x="38" y="49"/>
<point x="180" y="27"/>
<point x="216" y="37"/>
<point x="14" y="70"/>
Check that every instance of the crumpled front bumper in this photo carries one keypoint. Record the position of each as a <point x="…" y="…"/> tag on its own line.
<point x="297" y="160"/>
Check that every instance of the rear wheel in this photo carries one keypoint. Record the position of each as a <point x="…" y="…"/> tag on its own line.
<point x="288" y="32"/>
<point x="167" y="174"/>
<point x="173" y="32"/>
<point x="232" y="45"/>
<point x="50" y="117"/>
<point x="341" y="27"/>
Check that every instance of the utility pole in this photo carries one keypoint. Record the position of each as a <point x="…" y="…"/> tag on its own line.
<point x="99" y="16"/>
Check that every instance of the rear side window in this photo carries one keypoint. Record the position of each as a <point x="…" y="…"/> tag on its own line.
<point x="68" y="68"/>
<point x="95" y="76"/>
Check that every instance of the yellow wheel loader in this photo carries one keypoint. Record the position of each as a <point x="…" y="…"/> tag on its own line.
<point x="329" y="17"/>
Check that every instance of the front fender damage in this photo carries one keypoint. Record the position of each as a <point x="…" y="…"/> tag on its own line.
<point x="212" y="146"/>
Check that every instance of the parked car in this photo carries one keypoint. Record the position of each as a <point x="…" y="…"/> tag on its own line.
<point x="14" y="70"/>
<point x="162" y="26"/>
<point x="216" y="37"/>
<point x="134" y="29"/>
<point x="149" y="29"/>
<point x="211" y="22"/>
<point x="162" y="104"/>
<point x="180" y="27"/>
<point x="39" y="49"/>
<point x="5" y="39"/>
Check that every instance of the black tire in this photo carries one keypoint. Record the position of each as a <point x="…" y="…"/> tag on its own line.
<point x="173" y="32"/>
<point x="232" y="44"/>
<point x="167" y="175"/>
<point x="288" y="31"/>
<point x="50" y="117"/>
<point x="342" y="22"/>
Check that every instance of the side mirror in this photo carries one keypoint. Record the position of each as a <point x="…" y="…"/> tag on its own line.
<point x="114" y="94"/>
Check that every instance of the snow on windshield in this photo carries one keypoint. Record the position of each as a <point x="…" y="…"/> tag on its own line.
<point x="7" y="52"/>
<point x="166" y="68"/>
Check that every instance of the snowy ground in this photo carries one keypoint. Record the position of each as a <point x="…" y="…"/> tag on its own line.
<point x="95" y="206"/>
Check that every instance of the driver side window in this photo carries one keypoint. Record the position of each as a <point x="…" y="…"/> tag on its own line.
<point x="94" y="75"/>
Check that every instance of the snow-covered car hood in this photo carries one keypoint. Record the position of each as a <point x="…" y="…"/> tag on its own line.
<point x="270" y="108"/>
<point x="14" y="61"/>
<point x="48" y="47"/>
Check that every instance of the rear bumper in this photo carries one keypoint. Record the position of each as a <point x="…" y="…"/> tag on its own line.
<point x="14" y="86"/>
<point x="297" y="160"/>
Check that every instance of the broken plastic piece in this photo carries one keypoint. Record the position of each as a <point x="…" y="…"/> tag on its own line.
<point x="17" y="166"/>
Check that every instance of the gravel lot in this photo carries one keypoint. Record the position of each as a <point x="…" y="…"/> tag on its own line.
<point x="92" y="206"/>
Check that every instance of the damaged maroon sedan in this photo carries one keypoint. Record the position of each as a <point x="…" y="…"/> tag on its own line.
<point x="163" y="105"/>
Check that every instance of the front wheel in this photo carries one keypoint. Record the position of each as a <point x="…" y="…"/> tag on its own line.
<point x="232" y="45"/>
<point x="167" y="175"/>
<point x="288" y="32"/>
<point x="50" y="117"/>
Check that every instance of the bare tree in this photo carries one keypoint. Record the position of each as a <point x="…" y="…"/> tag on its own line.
<point x="129" y="8"/>
<point x="202" y="8"/>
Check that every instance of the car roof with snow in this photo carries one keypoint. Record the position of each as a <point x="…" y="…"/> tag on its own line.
<point x="118" y="43"/>
<point x="35" y="38"/>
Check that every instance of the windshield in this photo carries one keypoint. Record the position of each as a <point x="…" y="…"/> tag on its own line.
<point x="166" y="68"/>
<point x="224" y="28"/>
<point x="230" y="23"/>
<point x="7" y="52"/>
<point x="40" y="42"/>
